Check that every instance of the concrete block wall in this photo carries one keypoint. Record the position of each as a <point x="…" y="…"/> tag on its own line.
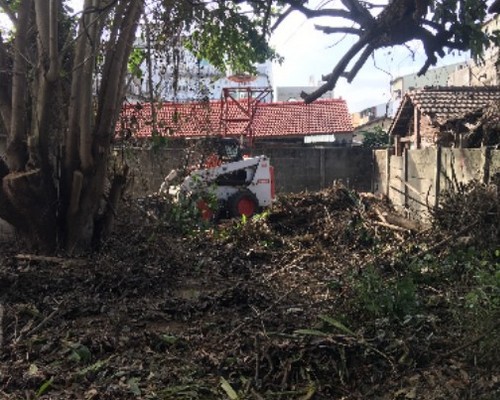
<point x="419" y="182"/>
<point x="415" y="179"/>
<point x="314" y="168"/>
<point x="296" y="168"/>
<point x="380" y="171"/>
<point x="396" y="179"/>
<point x="148" y="168"/>
<point x="460" y="166"/>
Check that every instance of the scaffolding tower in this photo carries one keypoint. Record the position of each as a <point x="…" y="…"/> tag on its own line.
<point x="238" y="108"/>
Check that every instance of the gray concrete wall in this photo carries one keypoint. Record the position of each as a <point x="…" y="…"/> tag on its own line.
<point x="418" y="176"/>
<point x="296" y="168"/>
<point x="314" y="168"/>
<point x="460" y="166"/>
<point x="148" y="168"/>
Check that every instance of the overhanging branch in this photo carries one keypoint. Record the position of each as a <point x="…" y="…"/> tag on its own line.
<point x="338" y="29"/>
<point x="399" y="22"/>
<point x="323" y="12"/>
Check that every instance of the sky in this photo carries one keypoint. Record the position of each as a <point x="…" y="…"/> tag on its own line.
<point x="309" y="54"/>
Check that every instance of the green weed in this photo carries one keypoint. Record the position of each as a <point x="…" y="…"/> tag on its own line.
<point x="379" y="296"/>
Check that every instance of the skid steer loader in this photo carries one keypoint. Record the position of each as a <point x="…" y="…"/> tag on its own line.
<point x="229" y="184"/>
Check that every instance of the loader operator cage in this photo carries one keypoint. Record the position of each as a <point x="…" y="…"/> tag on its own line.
<point x="229" y="150"/>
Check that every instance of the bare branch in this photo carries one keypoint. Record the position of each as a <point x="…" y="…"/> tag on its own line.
<point x="327" y="12"/>
<point x="367" y="52"/>
<point x="331" y="79"/>
<point x="339" y="29"/>
<point x="281" y="18"/>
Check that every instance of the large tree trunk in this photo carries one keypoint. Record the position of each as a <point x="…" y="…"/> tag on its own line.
<point x="60" y="130"/>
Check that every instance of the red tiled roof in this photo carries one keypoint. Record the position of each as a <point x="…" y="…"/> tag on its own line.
<point x="445" y="103"/>
<point x="442" y="104"/>
<point x="270" y="120"/>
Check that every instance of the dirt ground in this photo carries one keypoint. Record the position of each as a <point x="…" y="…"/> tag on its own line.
<point x="261" y="309"/>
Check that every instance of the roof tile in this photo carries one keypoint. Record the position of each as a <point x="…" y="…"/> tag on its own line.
<point x="449" y="102"/>
<point x="279" y="119"/>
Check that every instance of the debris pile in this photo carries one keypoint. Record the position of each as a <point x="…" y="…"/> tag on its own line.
<point x="328" y="295"/>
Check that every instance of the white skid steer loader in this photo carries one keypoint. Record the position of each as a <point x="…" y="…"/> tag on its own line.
<point x="230" y="185"/>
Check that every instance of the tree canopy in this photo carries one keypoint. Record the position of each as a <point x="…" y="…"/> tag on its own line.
<point x="375" y="138"/>
<point x="62" y="85"/>
<point x="441" y="26"/>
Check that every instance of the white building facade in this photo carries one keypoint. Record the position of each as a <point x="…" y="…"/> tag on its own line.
<point x="178" y="76"/>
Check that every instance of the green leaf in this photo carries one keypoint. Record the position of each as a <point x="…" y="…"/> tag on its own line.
<point x="337" y="324"/>
<point x="169" y="339"/>
<point x="311" y="332"/>
<point x="133" y="384"/>
<point x="226" y="386"/>
<point x="80" y="353"/>
<point x="33" y="370"/>
<point x="45" y="386"/>
<point x="94" y="367"/>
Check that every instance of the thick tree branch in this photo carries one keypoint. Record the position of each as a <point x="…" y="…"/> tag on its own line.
<point x="79" y="137"/>
<point x="116" y="65"/>
<point x="16" y="148"/>
<point x="53" y="72"/>
<point x="93" y="30"/>
<point x="5" y="81"/>
<point x="326" y="12"/>
<point x="331" y="79"/>
<point x="359" y="11"/>
<point x="399" y="22"/>
<point x="339" y="29"/>
<point x="72" y="136"/>
<point x="267" y="17"/>
<point x="48" y="71"/>
<point x="367" y="52"/>
<point x="121" y="38"/>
